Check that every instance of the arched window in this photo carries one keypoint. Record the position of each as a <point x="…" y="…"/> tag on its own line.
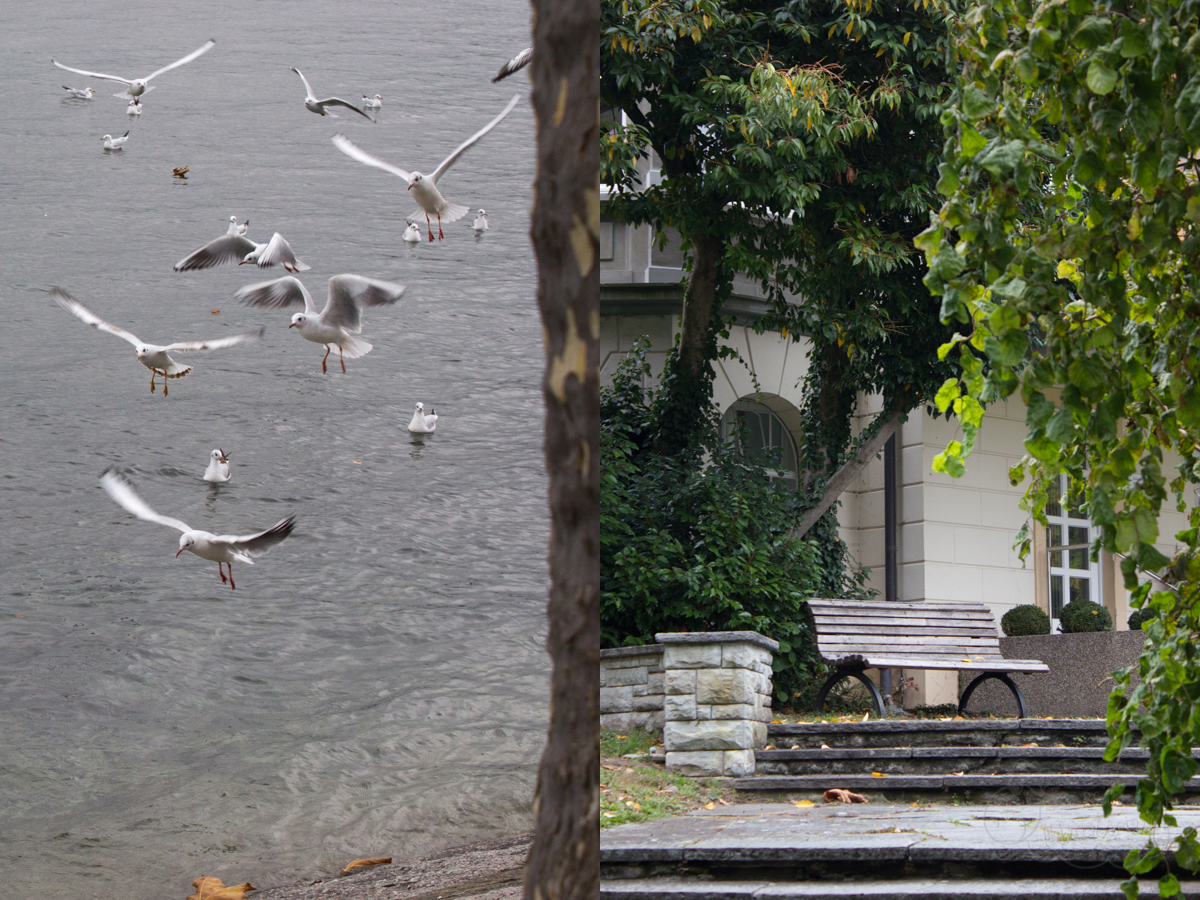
<point x="764" y="431"/>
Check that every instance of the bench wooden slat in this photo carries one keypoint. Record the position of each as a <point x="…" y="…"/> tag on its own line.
<point x="948" y="628"/>
<point x="883" y="642"/>
<point x="843" y="623"/>
<point x="940" y="664"/>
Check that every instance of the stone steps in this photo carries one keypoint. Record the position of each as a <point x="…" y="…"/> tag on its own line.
<point x="900" y="889"/>
<point x="940" y="733"/>
<point x="1002" y="760"/>
<point x="896" y="851"/>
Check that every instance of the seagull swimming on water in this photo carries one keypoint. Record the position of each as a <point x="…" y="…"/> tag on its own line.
<point x="134" y="108"/>
<point x="312" y="104"/>
<point x="480" y="224"/>
<point x="412" y="234"/>
<point x="338" y="322"/>
<point x="421" y="423"/>
<point x="77" y="94"/>
<point x="424" y="189"/>
<point x="223" y="549"/>
<point x="516" y="64"/>
<point x="218" y="466"/>
<point x="233" y="246"/>
<point x="154" y="357"/>
<point x="375" y="102"/>
<point x="114" y="143"/>
<point x="137" y="86"/>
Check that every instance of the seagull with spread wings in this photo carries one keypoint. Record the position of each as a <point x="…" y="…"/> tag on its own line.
<point x="312" y="104"/>
<point x="234" y="246"/>
<point x="135" y="87"/>
<point x="218" y="548"/>
<point x="338" y="322"/>
<point x="424" y="189"/>
<point x="516" y="64"/>
<point x="154" y="357"/>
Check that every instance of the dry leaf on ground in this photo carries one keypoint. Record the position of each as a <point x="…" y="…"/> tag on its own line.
<point x="879" y="775"/>
<point x="214" y="889"/>
<point x="803" y="803"/>
<point x="367" y="863"/>
<point x="837" y="795"/>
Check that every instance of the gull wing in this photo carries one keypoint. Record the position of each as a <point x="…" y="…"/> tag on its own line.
<point x="81" y="312"/>
<point x="208" y="45"/>
<point x="219" y="344"/>
<point x="516" y="64"/>
<point x="309" y="95"/>
<point x="225" y="249"/>
<point x="348" y="147"/>
<point x="123" y="493"/>
<point x="279" y="252"/>
<point x="348" y="294"/>
<point x="461" y="148"/>
<point x="258" y="544"/>
<point x="278" y="294"/>
<point x="92" y="74"/>
<point x="337" y="101"/>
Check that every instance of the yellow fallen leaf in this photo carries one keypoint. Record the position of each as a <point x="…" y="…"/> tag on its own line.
<point x="357" y="462"/>
<point x="966" y="659"/>
<point x="878" y="775"/>
<point x="824" y="746"/>
<point x="722" y="802"/>
<point x="957" y="719"/>
<point x="367" y="863"/>
<point x="208" y="888"/>
<point x="777" y="721"/>
<point x="608" y="815"/>
<point x="956" y="773"/>
<point x="216" y="312"/>
<point x="710" y="805"/>
<point x="866" y="716"/>
<point x="803" y="803"/>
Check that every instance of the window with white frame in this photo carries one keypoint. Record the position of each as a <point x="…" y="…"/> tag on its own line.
<point x="764" y="431"/>
<point x="1069" y="534"/>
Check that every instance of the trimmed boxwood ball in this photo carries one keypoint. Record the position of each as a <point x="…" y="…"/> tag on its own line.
<point x="1138" y="616"/>
<point x="1025" y="620"/>
<point x="1083" y="615"/>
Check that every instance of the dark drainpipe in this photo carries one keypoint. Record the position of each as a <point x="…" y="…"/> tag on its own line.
<point x="891" y="572"/>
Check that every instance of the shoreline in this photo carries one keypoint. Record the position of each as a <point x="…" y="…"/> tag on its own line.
<point x="492" y="870"/>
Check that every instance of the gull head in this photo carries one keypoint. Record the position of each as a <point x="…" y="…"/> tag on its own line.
<point x="142" y="350"/>
<point x="186" y="542"/>
<point x="298" y="319"/>
<point x="417" y="178"/>
<point x="420" y="407"/>
<point x="219" y="456"/>
<point x="107" y="137"/>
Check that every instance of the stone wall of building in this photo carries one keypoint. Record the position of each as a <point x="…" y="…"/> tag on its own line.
<point x="631" y="688"/>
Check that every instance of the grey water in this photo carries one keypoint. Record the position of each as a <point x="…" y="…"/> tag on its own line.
<point x="377" y="684"/>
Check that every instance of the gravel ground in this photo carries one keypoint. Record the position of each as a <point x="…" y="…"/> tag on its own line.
<point x="491" y="871"/>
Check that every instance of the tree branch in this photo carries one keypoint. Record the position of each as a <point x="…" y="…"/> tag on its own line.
<point x="886" y="423"/>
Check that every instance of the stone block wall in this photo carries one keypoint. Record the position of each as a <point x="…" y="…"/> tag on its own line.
<point x="717" y="702"/>
<point x="631" y="688"/>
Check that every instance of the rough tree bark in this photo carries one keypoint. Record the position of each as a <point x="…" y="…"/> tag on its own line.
<point x="564" y="861"/>
<point x="708" y="252"/>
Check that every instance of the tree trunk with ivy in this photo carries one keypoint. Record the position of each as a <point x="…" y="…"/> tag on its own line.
<point x="564" y="861"/>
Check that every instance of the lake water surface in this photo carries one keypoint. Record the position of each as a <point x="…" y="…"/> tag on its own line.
<point x="377" y="684"/>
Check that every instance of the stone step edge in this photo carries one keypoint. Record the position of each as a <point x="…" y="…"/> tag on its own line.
<point x="902" y="889"/>
<point x="938" y="782"/>
<point x="885" y="726"/>
<point x="1004" y="751"/>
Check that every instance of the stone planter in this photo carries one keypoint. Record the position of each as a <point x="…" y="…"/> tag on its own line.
<point x="1079" y="680"/>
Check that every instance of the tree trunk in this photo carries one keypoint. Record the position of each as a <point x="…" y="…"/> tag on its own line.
<point x="564" y="861"/>
<point x="708" y="253"/>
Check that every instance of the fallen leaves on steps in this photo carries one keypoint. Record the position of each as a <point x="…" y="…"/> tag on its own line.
<point x="214" y="889"/>
<point x="367" y="863"/>
<point x="837" y="795"/>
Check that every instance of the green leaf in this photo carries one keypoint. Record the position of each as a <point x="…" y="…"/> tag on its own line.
<point x="975" y="103"/>
<point x="1003" y="158"/>
<point x="1092" y="32"/>
<point x="1168" y="886"/>
<point x="1061" y="427"/>
<point x="947" y="394"/>
<point x="949" y="461"/>
<point x="972" y="141"/>
<point x="1101" y="78"/>
<point x="969" y="410"/>
<point x="948" y="181"/>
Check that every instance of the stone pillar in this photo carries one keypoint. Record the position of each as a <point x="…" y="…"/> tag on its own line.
<point x="631" y="688"/>
<point x="718" y="700"/>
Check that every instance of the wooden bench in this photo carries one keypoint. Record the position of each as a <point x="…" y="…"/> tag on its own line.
<point x="856" y="635"/>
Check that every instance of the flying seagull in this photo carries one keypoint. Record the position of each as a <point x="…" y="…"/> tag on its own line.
<point x="218" y="548"/>
<point x="516" y="64"/>
<point x="234" y="246"/>
<point x="338" y="322"/>
<point x="312" y="104"/>
<point x="152" y="356"/>
<point x="137" y="86"/>
<point x="424" y="189"/>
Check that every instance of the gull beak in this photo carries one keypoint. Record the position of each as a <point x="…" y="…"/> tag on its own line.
<point x="293" y="325"/>
<point x="410" y="185"/>
<point x="177" y="552"/>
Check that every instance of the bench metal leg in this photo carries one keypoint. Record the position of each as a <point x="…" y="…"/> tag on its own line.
<point x="999" y="676"/>
<point x="851" y="672"/>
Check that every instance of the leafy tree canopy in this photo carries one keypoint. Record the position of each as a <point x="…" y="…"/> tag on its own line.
<point x="1066" y="253"/>
<point x="799" y="143"/>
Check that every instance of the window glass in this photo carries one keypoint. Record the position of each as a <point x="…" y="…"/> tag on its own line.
<point x="764" y="431"/>
<point x="1073" y="576"/>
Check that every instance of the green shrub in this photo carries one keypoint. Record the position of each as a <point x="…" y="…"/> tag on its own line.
<point x="1138" y="616"/>
<point x="1025" y="620"/>
<point x="1083" y="615"/>
<point x="701" y="540"/>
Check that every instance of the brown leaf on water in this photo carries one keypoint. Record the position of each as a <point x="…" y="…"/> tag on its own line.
<point x="208" y="888"/>
<point x="367" y="863"/>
